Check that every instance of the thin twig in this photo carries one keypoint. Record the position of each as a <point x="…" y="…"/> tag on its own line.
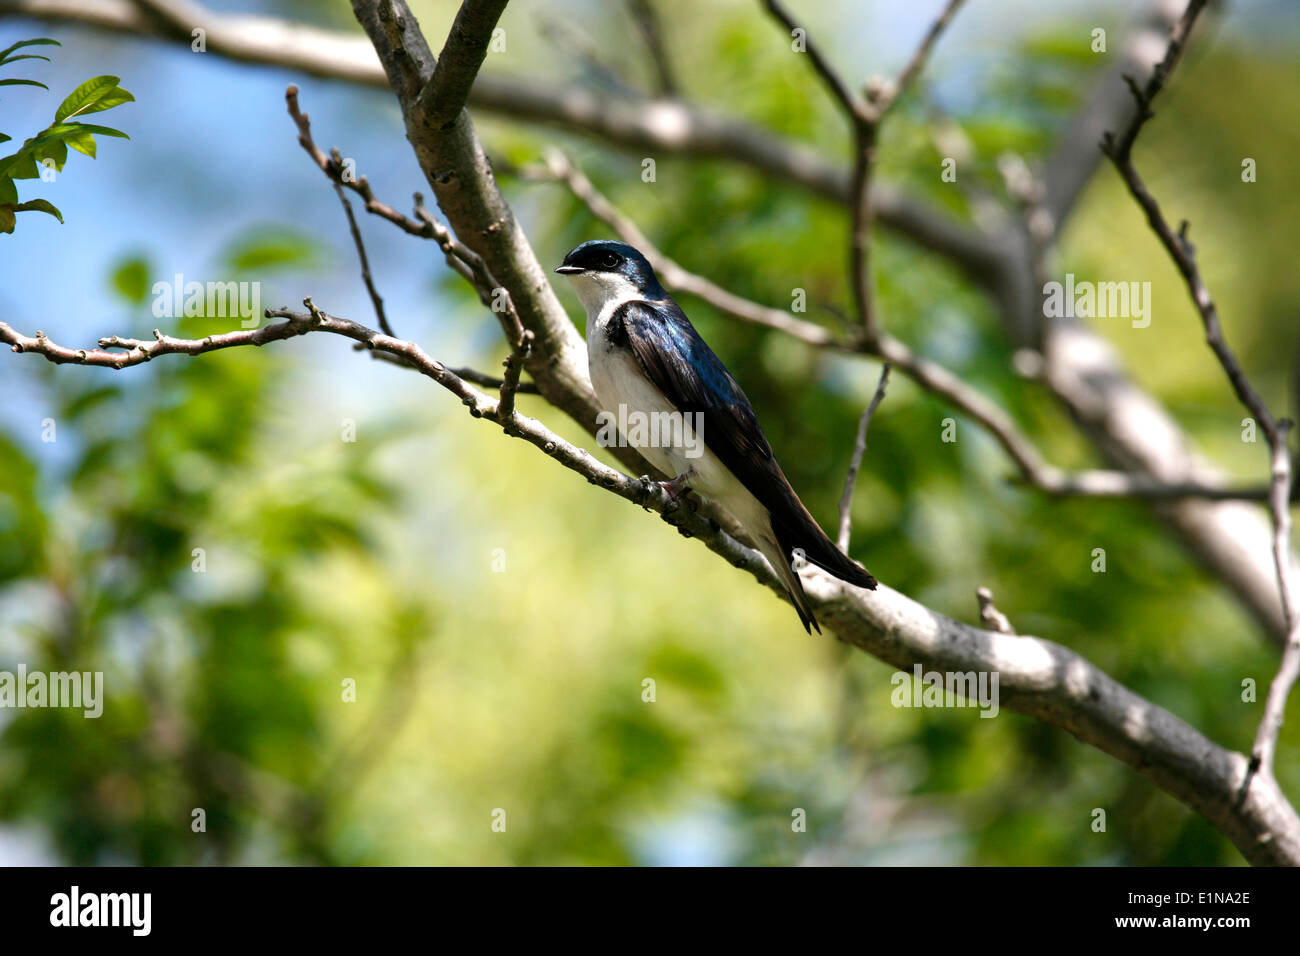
<point x="463" y="260"/>
<point x="919" y="58"/>
<point x="861" y="216"/>
<point x="866" y="131"/>
<point x="855" y="463"/>
<point x="574" y="46"/>
<point x="491" y="381"/>
<point x="514" y="365"/>
<point x="460" y="257"/>
<point x="852" y="104"/>
<point x="1120" y="151"/>
<point x="360" y="186"/>
<point x="375" y="298"/>
<point x="647" y="22"/>
<point x="865" y="116"/>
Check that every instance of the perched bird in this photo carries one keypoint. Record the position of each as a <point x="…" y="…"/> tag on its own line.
<point x="646" y="359"/>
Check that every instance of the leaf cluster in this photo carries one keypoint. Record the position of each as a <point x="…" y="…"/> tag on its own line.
<point x="49" y="147"/>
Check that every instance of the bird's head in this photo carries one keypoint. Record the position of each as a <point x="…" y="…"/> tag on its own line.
<point x="605" y="270"/>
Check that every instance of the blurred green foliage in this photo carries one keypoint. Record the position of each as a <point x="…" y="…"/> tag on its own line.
<point x="499" y="617"/>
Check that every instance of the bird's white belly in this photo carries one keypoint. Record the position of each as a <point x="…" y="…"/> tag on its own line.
<point x="619" y="380"/>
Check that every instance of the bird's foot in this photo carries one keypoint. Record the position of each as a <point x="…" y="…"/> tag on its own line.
<point x="676" y="488"/>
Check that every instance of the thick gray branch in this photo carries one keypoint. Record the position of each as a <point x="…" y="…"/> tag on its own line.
<point x="1035" y="677"/>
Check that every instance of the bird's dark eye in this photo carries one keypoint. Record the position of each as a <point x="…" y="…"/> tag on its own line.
<point x="609" y="260"/>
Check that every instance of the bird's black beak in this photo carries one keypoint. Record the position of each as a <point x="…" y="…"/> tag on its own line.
<point x="569" y="270"/>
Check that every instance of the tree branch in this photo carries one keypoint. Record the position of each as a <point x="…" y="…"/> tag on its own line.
<point x="444" y="96"/>
<point x="917" y="63"/>
<point x="1036" y="677"/>
<point x="375" y="298"/>
<point x="1120" y="150"/>
<point x="848" y="101"/>
<point x="648" y="26"/>
<point x="855" y="463"/>
<point x="458" y="172"/>
<point x="1073" y="159"/>
<point x="865" y="116"/>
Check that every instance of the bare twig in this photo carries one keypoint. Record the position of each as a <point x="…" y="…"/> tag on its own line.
<point x="491" y="381"/>
<point x="514" y="365"/>
<point x="577" y="47"/>
<point x="866" y="130"/>
<point x="990" y="616"/>
<point x="919" y="58"/>
<point x="648" y="25"/>
<point x="855" y="463"/>
<point x="863" y="119"/>
<point x="1122" y="146"/>
<point x="375" y="298"/>
<point x="852" y="104"/>
<point x="1120" y="151"/>
<point x="425" y="227"/>
<point x="1265" y="745"/>
<point x="865" y="116"/>
<point x="332" y="166"/>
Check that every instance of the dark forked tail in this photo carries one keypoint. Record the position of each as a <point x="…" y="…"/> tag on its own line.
<point x="795" y="528"/>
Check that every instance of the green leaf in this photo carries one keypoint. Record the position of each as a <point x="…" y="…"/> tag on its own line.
<point x="57" y="150"/>
<point x="23" y="83"/>
<point x="22" y="165"/>
<point x="101" y="130"/>
<point x="114" y="97"/>
<point x="79" y="136"/>
<point x="5" y="137"/>
<point x="6" y="219"/>
<point x="51" y="133"/>
<point x="48" y="142"/>
<point x="25" y="56"/>
<point x="267" y="249"/>
<point x="39" y="205"/>
<point x="131" y="279"/>
<point x="85" y="97"/>
<point x="87" y="401"/>
<point x="82" y="142"/>
<point x="21" y="43"/>
<point x="8" y="191"/>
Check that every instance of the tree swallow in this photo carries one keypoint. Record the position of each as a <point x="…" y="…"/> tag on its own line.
<point x="648" y="365"/>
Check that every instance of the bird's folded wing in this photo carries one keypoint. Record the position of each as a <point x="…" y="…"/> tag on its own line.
<point x="684" y="368"/>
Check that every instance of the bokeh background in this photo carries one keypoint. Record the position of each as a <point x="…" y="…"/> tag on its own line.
<point x="499" y="615"/>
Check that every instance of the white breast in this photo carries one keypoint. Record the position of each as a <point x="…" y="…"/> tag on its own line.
<point x="618" y="379"/>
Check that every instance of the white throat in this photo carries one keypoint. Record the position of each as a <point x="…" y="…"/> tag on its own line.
<point x="602" y="292"/>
